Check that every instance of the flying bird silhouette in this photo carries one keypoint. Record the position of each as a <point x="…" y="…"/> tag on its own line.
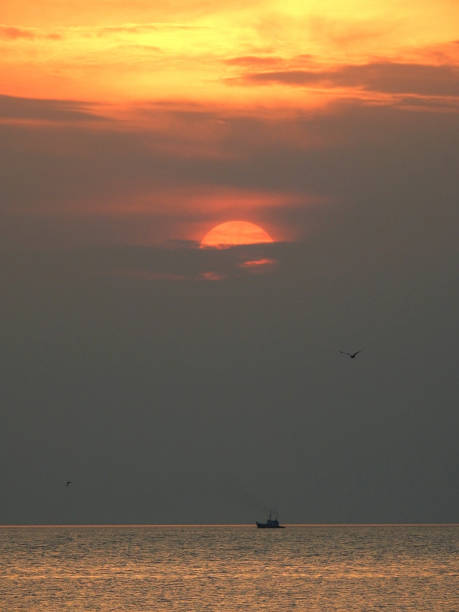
<point x="67" y="483"/>
<point x="351" y="355"/>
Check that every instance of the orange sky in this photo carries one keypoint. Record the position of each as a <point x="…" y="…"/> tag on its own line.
<point x="208" y="93"/>
<point x="115" y="51"/>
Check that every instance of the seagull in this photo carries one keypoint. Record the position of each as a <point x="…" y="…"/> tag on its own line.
<point x="67" y="483"/>
<point x="351" y="355"/>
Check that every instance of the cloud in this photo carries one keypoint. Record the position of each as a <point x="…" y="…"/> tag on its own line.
<point x="144" y="28"/>
<point x="258" y="265"/>
<point x="432" y="103"/>
<point x="170" y="262"/>
<point x="440" y="53"/>
<point x="12" y="107"/>
<point x="12" y="33"/>
<point x="342" y="33"/>
<point x="386" y="77"/>
<point x="254" y="60"/>
<point x="15" y="33"/>
<point x="83" y="184"/>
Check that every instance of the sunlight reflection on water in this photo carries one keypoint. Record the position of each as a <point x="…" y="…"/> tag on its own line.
<point x="229" y="568"/>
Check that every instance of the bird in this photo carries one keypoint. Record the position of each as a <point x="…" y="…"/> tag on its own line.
<point x="67" y="483"/>
<point x="351" y="355"/>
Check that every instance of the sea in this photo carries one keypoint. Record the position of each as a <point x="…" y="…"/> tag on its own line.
<point x="228" y="568"/>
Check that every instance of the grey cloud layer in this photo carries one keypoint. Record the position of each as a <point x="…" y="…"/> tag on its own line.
<point x="343" y="153"/>
<point x="115" y="373"/>
<point x="12" y="107"/>
<point x="385" y="77"/>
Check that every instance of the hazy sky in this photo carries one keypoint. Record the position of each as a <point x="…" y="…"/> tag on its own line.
<point x="172" y="383"/>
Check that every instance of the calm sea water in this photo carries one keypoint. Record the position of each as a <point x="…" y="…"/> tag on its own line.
<point x="165" y="568"/>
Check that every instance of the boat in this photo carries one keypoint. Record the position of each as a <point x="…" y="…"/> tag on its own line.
<point x="272" y="522"/>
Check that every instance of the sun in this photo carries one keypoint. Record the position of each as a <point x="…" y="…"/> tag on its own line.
<point x="233" y="233"/>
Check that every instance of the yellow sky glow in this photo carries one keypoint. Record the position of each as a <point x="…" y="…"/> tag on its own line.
<point x="114" y="51"/>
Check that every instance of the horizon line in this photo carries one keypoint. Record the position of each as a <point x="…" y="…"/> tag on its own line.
<point x="389" y="524"/>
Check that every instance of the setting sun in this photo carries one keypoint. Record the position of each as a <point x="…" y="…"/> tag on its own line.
<point x="233" y="233"/>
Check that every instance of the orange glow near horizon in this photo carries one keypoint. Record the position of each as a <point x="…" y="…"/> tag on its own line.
<point x="234" y="233"/>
